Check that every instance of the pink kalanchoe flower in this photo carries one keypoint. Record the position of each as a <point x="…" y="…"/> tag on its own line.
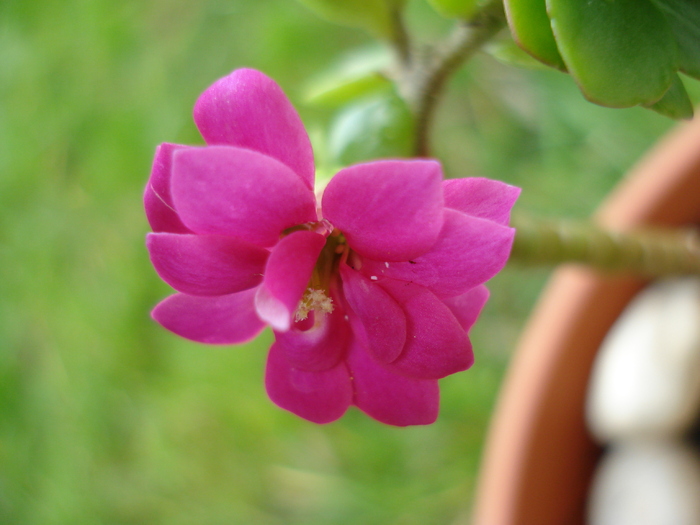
<point x="370" y="292"/>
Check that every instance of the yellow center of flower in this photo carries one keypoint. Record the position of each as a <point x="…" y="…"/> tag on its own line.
<point x="313" y="300"/>
<point x="317" y="297"/>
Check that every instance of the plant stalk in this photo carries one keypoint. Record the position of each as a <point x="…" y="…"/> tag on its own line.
<point x="401" y="41"/>
<point x="651" y="252"/>
<point x="423" y="81"/>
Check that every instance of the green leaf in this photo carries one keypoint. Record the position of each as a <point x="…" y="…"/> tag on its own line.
<point x="508" y="52"/>
<point x="376" y="16"/>
<point x="621" y="52"/>
<point x="358" y="75"/>
<point x="531" y="29"/>
<point x="347" y="90"/>
<point x="684" y="18"/>
<point x="378" y="127"/>
<point x="455" y="8"/>
<point x="675" y="103"/>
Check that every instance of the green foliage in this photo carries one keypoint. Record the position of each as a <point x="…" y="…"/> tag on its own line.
<point x="372" y="128"/>
<point x="684" y="18"/>
<point x="357" y="76"/>
<point x="505" y="50"/>
<point x="531" y="29"/>
<point x="454" y="8"/>
<point x="375" y="16"/>
<point x="675" y="103"/>
<point x="621" y="53"/>
<point x="335" y="94"/>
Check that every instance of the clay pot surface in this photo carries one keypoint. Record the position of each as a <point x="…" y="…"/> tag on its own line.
<point x="539" y="457"/>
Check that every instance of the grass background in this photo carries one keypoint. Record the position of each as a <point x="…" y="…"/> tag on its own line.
<point x="105" y="418"/>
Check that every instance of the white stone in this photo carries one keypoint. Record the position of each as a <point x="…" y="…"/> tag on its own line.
<point x="646" y="378"/>
<point x="646" y="484"/>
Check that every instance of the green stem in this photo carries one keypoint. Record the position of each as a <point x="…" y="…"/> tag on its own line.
<point x="650" y="252"/>
<point x="401" y="41"/>
<point x="424" y="81"/>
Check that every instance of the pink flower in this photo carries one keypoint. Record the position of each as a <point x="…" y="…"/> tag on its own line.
<point x="370" y="290"/>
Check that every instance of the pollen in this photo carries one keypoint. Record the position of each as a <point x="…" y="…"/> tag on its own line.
<point x="313" y="300"/>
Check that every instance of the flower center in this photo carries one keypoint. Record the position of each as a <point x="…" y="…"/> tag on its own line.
<point x="313" y="301"/>
<point x="318" y="296"/>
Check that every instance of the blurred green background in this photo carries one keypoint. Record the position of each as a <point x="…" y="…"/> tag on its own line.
<point x="106" y="418"/>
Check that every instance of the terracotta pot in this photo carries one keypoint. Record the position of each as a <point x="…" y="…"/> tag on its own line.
<point x="539" y="456"/>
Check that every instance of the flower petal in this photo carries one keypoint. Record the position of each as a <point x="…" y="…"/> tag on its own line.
<point x="320" y="397"/>
<point x="206" y="264"/>
<point x="467" y="307"/>
<point x="248" y="109"/>
<point x="320" y="346"/>
<point x="388" y="210"/>
<point x="436" y="344"/>
<point x="468" y="252"/>
<point x="237" y="192"/>
<point x="287" y="275"/>
<point x="382" y="321"/>
<point x="160" y="211"/>
<point x="389" y="397"/>
<point x="485" y="198"/>
<point x="222" y="320"/>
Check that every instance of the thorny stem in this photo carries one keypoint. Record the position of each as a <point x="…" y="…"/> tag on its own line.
<point x="649" y="252"/>
<point x="423" y="78"/>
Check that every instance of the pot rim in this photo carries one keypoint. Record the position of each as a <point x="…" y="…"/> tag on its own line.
<point x="539" y="456"/>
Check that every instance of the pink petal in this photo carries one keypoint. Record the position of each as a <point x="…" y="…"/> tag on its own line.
<point x="206" y="264"/>
<point x="389" y="397"/>
<point x="436" y="344"/>
<point x="467" y="307"/>
<point x="160" y="210"/>
<point x="320" y="397"/>
<point x="248" y="109"/>
<point x="222" y="320"/>
<point x="382" y="321"/>
<point x="318" y="347"/>
<point x="287" y="276"/>
<point x="237" y="192"/>
<point x="485" y="198"/>
<point x="468" y="252"/>
<point x="388" y="210"/>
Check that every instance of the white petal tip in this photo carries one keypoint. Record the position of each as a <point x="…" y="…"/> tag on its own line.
<point x="272" y="310"/>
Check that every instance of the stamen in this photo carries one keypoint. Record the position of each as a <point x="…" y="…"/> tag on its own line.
<point x="313" y="300"/>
